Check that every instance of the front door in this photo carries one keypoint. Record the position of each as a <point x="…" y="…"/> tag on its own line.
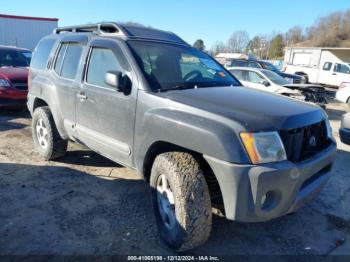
<point x="105" y="117"/>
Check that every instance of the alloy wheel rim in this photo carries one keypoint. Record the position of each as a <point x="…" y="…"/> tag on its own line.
<point x="41" y="133"/>
<point x="166" y="202"/>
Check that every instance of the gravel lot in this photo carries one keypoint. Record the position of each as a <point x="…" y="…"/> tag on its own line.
<point x="85" y="204"/>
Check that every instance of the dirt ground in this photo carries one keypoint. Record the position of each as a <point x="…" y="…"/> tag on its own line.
<point x="85" y="204"/>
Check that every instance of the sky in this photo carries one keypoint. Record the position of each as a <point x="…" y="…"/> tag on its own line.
<point x="192" y="19"/>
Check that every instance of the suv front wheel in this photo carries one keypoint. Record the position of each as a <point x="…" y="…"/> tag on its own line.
<point x="181" y="200"/>
<point x="47" y="140"/>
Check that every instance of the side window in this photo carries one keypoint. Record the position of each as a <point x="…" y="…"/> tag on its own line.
<point x="41" y="54"/>
<point x="59" y="59"/>
<point x="239" y="74"/>
<point x="254" y="65"/>
<point x="327" y="66"/>
<point x="102" y="60"/>
<point x="341" y="68"/>
<point x="255" y="77"/>
<point x="71" y="61"/>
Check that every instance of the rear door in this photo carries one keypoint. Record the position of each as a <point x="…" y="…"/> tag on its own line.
<point x="105" y="116"/>
<point x="66" y="77"/>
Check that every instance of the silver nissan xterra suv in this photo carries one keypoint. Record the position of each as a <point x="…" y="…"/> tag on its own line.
<point x="146" y="99"/>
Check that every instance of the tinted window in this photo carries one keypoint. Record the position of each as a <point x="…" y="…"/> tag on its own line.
<point x="269" y="66"/>
<point x="238" y="63"/>
<point x="327" y="66"/>
<point x="101" y="61"/>
<point x="341" y="68"/>
<point x="41" y="54"/>
<point x="71" y="61"/>
<point x="15" y="58"/>
<point x="59" y="59"/>
<point x="254" y="64"/>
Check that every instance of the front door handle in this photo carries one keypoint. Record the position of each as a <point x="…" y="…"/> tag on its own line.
<point x="82" y="96"/>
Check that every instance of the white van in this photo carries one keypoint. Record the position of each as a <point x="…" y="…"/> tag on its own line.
<point x="328" y="66"/>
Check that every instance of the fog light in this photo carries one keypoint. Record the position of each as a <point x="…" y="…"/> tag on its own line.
<point x="270" y="200"/>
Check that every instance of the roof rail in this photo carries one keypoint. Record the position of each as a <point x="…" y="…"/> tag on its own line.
<point x="100" y="29"/>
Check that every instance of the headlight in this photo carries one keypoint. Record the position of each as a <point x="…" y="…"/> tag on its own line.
<point x="4" y="83"/>
<point x="264" y="147"/>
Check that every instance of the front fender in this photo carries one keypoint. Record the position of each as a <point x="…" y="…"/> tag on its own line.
<point x="190" y="130"/>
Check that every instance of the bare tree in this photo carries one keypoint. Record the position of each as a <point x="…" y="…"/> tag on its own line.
<point x="218" y="47"/>
<point x="238" y="41"/>
<point x="294" y="36"/>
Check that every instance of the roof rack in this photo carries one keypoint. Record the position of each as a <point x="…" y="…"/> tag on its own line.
<point x="100" y="29"/>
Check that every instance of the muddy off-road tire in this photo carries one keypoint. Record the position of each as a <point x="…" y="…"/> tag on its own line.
<point x="47" y="140"/>
<point x="181" y="200"/>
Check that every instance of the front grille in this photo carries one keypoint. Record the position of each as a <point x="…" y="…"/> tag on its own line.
<point x="20" y="85"/>
<point x="304" y="143"/>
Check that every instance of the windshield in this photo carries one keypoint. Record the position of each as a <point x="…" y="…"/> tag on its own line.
<point x="275" y="78"/>
<point x="14" y="58"/>
<point x="168" y="66"/>
<point x="269" y="66"/>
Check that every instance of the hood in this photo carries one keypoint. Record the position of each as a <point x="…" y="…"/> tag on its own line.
<point x="255" y="110"/>
<point x="285" y="90"/>
<point x="14" y="73"/>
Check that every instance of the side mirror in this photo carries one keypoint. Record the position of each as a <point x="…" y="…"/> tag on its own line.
<point x="119" y="81"/>
<point x="265" y="83"/>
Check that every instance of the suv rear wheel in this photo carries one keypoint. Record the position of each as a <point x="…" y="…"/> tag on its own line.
<point x="181" y="200"/>
<point x="47" y="140"/>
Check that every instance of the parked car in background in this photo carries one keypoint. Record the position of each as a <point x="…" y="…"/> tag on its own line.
<point x="343" y="94"/>
<point x="291" y="78"/>
<point x="269" y="81"/>
<point x="327" y="66"/>
<point x="14" y="64"/>
<point x="344" y="131"/>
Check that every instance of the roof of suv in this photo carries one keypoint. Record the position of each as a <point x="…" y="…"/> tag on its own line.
<point x="124" y="31"/>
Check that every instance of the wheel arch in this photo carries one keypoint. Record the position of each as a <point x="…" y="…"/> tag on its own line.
<point x="161" y="147"/>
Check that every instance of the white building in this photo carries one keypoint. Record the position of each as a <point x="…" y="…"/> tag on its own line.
<point x="23" y="31"/>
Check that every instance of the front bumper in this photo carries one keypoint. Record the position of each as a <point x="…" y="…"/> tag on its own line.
<point x="253" y="193"/>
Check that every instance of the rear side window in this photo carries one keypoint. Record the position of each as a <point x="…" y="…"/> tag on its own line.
<point x="41" y="54"/>
<point x="61" y="53"/>
<point x="102" y="60"/>
<point x="68" y="59"/>
<point x="327" y="66"/>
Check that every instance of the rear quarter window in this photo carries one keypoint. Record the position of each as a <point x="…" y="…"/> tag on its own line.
<point x="41" y="54"/>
